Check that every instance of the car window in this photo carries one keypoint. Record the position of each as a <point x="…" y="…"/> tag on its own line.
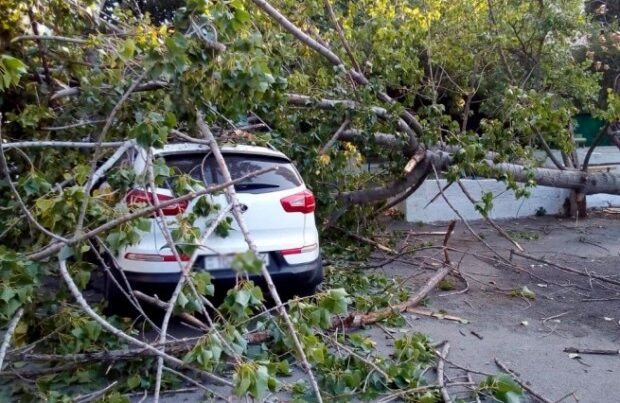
<point x="239" y="165"/>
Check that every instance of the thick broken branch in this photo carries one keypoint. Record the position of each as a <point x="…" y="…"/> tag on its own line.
<point x="356" y="319"/>
<point x="383" y="192"/>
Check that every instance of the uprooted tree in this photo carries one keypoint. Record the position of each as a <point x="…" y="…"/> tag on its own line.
<point x="465" y="87"/>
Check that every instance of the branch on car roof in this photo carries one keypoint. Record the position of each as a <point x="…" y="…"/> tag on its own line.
<point x="231" y="195"/>
<point x="185" y="268"/>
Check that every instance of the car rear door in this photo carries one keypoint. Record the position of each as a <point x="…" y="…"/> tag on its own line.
<point x="272" y="227"/>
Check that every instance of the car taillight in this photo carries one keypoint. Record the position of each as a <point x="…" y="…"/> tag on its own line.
<point x="302" y="202"/>
<point x="149" y="257"/>
<point x="297" y="251"/>
<point x="136" y="196"/>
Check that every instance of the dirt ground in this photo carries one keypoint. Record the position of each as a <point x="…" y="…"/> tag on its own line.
<point x="527" y="335"/>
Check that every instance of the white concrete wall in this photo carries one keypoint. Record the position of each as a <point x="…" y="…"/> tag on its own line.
<point x="505" y="205"/>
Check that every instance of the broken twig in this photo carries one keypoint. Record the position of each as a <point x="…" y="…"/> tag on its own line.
<point x="591" y="351"/>
<point x="440" y="373"/>
<point x="521" y="382"/>
<point x="565" y="268"/>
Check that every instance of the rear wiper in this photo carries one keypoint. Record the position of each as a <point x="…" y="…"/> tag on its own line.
<point x="248" y="186"/>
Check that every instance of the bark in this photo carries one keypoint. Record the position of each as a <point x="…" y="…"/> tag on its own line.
<point x="588" y="183"/>
<point x="380" y="193"/>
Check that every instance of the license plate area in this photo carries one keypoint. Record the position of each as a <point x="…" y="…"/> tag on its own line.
<point x="223" y="262"/>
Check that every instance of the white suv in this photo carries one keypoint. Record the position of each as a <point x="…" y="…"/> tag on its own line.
<point x="278" y="210"/>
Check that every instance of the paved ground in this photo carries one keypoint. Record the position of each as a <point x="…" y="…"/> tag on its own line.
<point x="527" y="335"/>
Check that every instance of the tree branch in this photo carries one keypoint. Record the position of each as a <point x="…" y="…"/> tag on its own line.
<point x="59" y="144"/>
<point x="548" y="151"/>
<point x="237" y="213"/>
<point x="343" y="38"/>
<point x="9" y="334"/>
<point x="73" y="91"/>
<point x="488" y="219"/>
<point x="122" y="335"/>
<point x="414" y="127"/>
<point x="93" y="165"/>
<point x="440" y="372"/>
<point x="5" y="167"/>
<point x="335" y="137"/>
<point x="48" y="38"/>
<point x="56" y="246"/>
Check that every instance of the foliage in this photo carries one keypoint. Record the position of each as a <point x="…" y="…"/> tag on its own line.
<point x="491" y="76"/>
<point x="502" y="388"/>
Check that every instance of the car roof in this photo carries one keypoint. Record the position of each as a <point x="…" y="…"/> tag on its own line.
<point x="182" y="148"/>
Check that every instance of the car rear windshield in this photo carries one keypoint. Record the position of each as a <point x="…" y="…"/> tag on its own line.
<point x="285" y="177"/>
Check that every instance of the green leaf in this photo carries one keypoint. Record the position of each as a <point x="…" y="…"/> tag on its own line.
<point x="143" y="224"/>
<point x="35" y="184"/>
<point x="128" y="49"/>
<point x="65" y="253"/>
<point x="242" y="297"/>
<point x="134" y="381"/>
<point x="93" y="330"/>
<point x="11" y="70"/>
<point x="44" y="205"/>
<point x="7" y="293"/>
<point x="247" y="262"/>
<point x="182" y="301"/>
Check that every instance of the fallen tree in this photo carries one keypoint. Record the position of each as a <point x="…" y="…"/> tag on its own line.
<point x="82" y="87"/>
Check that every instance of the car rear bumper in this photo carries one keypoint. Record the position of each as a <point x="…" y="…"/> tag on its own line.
<point x="298" y="276"/>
